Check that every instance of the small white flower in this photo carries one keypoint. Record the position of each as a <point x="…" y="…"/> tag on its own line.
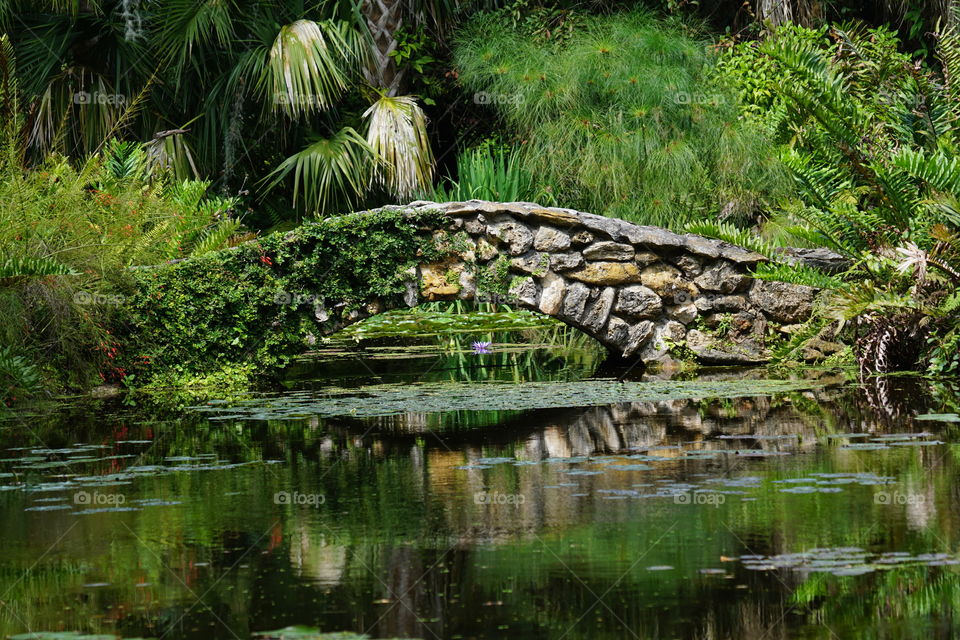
<point x="912" y="258"/>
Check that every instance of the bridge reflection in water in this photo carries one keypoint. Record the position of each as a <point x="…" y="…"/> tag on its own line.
<point x="487" y="566"/>
<point x="680" y="518"/>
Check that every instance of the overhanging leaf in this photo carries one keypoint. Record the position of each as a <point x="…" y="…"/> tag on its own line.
<point x="336" y="168"/>
<point x="310" y="65"/>
<point x="397" y="133"/>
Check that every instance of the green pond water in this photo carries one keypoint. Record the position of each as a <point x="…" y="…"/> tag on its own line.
<point x="414" y="488"/>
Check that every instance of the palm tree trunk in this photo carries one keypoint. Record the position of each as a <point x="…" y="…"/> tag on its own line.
<point x="383" y="20"/>
<point x="775" y="12"/>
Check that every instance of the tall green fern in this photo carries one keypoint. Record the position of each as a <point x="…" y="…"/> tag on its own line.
<point x="124" y="159"/>
<point x="216" y="237"/>
<point x="797" y="274"/>
<point x="33" y="266"/>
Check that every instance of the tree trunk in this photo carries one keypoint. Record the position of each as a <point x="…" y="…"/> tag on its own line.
<point x="775" y="12"/>
<point x="383" y="20"/>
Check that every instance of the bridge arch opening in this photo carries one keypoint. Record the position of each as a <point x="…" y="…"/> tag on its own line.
<point x="448" y="341"/>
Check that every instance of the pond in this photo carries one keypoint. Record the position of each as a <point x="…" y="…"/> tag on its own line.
<point x="419" y="489"/>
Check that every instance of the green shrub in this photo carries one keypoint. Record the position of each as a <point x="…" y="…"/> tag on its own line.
<point x="756" y="78"/>
<point x="257" y="303"/>
<point x="876" y="75"/>
<point x="871" y="140"/>
<point x="68" y="237"/>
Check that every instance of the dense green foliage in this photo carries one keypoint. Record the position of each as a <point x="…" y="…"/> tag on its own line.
<point x="250" y="308"/>
<point x="288" y="108"/>
<point x="620" y="117"/>
<point x="69" y="233"/>
<point x="238" y="91"/>
<point x="870" y="138"/>
<point x="68" y="238"/>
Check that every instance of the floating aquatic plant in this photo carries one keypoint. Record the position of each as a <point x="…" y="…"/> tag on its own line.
<point x="396" y="399"/>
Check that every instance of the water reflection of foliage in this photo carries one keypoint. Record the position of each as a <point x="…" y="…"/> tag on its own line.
<point x="395" y="508"/>
<point x="544" y="350"/>
<point x="911" y="602"/>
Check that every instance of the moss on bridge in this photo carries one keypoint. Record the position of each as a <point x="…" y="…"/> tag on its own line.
<point x="248" y="309"/>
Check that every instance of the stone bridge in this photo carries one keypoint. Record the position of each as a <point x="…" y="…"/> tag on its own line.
<point x="641" y="291"/>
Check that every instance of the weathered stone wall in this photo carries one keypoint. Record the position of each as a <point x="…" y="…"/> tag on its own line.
<point x="641" y="291"/>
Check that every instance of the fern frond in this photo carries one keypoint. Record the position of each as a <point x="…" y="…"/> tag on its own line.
<point x="10" y="113"/>
<point x="950" y="305"/>
<point x="862" y="298"/>
<point x="124" y="159"/>
<point x="796" y="274"/>
<point x="18" y="376"/>
<point x="821" y="93"/>
<point x="216" y="237"/>
<point x="948" y="50"/>
<point x="901" y="199"/>
<point x="734" y="235"/>
<point x="940" y="171"/>
<point x="152" y="238"/>
<point x="818" y="183"/>
<point x="20" y="267"/>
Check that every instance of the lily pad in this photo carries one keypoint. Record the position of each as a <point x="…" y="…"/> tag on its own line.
<point x="939" y="417"/>
<point x="309" y="633"/>
<point x="396" y="399"/>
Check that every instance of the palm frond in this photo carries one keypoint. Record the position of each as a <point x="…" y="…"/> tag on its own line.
<point x="188" y="25"/>
<point x="397" y="134"/>
<point x="170" y="152"/>
<point x="310" y="65"/>
<point x="336" y="169"/>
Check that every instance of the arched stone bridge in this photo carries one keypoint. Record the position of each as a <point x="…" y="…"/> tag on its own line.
<point x="639" y="290"/>
<point x="643" y="292"/>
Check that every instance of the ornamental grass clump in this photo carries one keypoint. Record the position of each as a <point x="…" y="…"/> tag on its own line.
<point x="621" y="117"/>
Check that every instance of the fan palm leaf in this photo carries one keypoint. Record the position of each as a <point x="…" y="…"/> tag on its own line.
<point x="397" y="134"/>
<point x="336" y="169"/>
<point x="188" y="25"/>
<point x="310" y="65"/>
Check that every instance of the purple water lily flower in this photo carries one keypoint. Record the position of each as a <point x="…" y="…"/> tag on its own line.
<point x="482" y="347"/>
